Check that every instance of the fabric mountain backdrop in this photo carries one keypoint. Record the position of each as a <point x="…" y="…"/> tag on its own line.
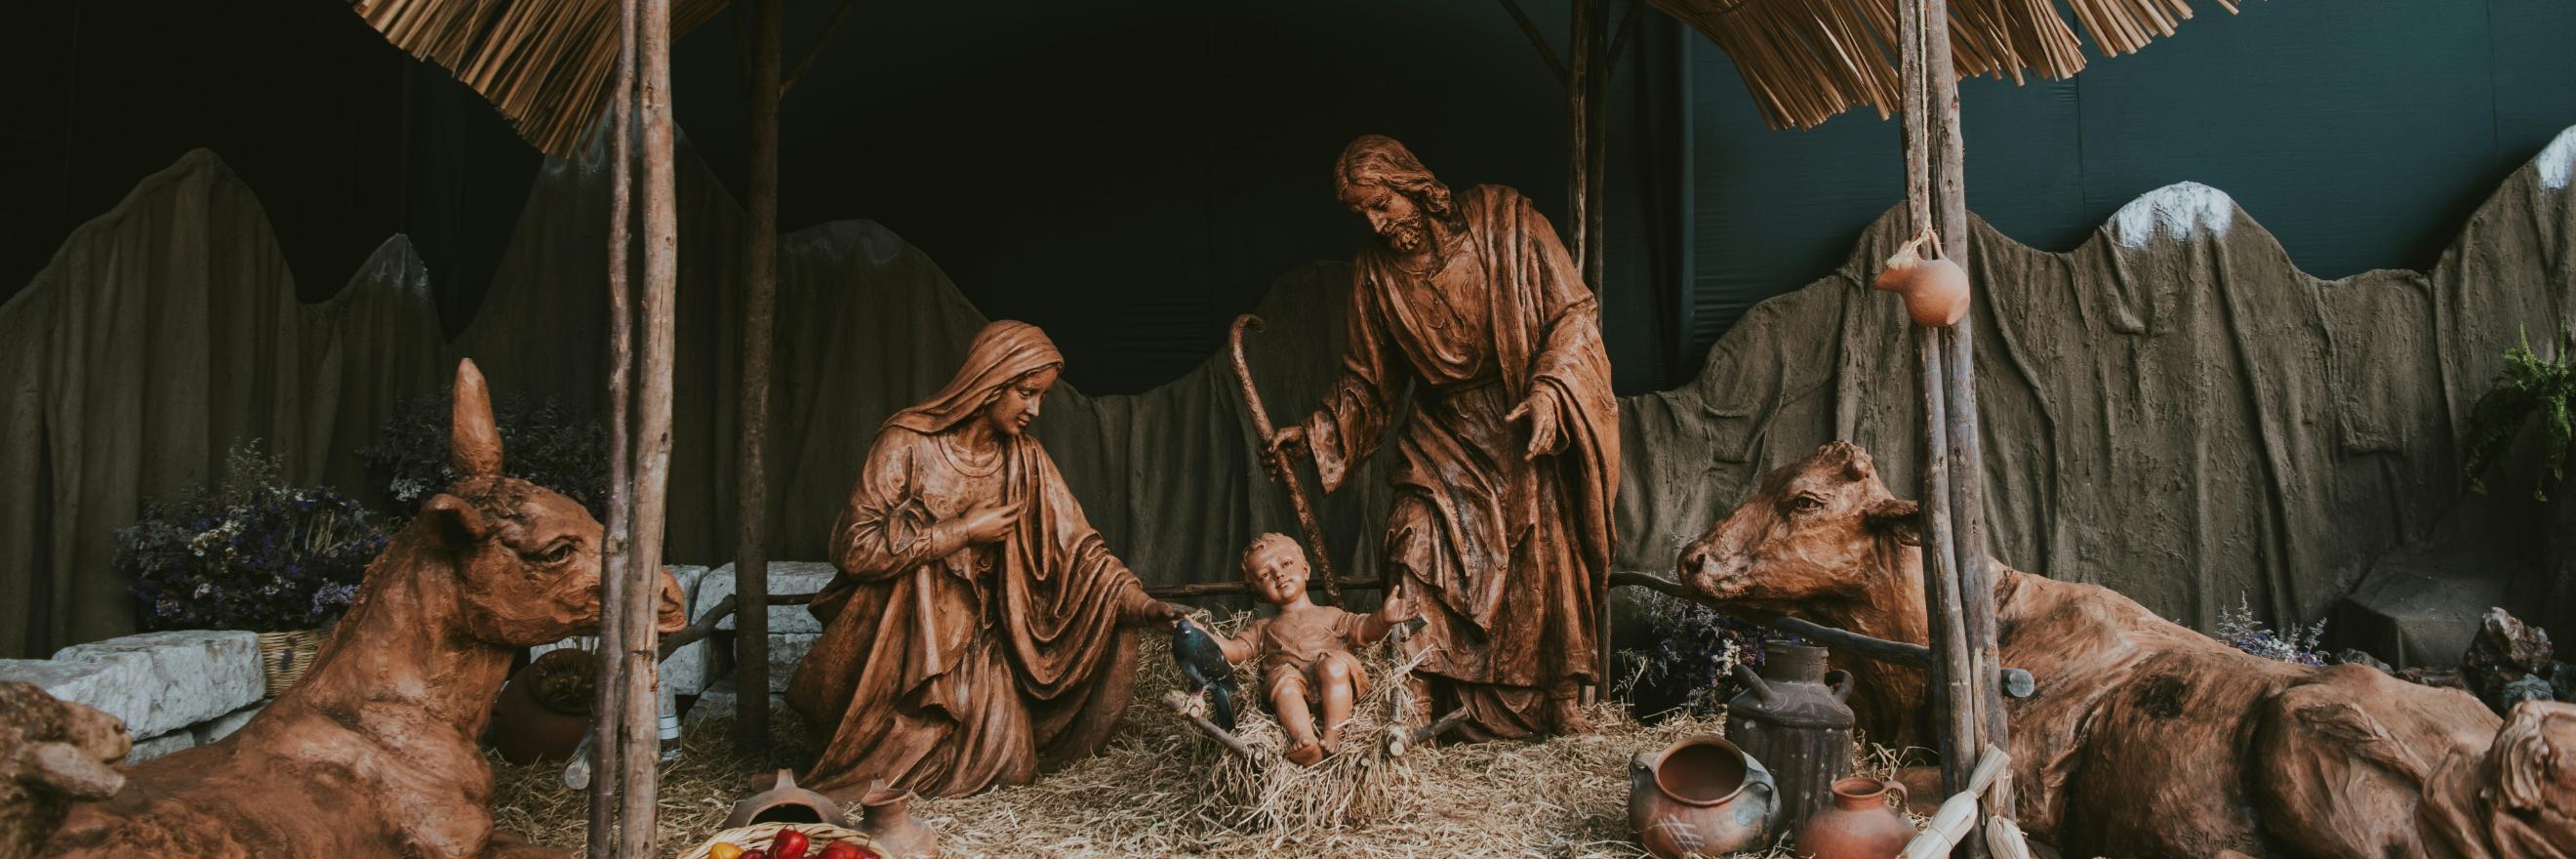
<point x="2172" y="409"/>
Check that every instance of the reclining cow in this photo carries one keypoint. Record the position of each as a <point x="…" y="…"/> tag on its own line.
<point x="2146" y="738"/>
<point x="374" y="754"/>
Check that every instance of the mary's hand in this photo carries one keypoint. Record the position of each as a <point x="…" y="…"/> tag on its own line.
<point x="989" y="523"/>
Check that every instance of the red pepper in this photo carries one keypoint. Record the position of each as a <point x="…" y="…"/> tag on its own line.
<point x="753" y="854"/>
<point x="847" y="850"/>
<point x="790" y="844"/>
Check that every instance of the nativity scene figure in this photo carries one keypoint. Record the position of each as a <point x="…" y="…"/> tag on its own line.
<point x="1509" y="462"/>
<point x="978" y="629"/>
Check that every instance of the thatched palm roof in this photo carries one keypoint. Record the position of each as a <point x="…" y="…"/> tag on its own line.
<point x="1806" y="60"/>
<point x="546" y="63"/>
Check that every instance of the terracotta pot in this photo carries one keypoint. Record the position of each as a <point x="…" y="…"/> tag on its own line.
<point x="526" y="728"/>
<point x="784" y="802"/>
<point x="1703" y="796"/>
<point x="1858" y="825"/>
<point x="887" y="818"/>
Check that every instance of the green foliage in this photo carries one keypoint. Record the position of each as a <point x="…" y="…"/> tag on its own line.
<point x="2527" y="385"/>
<point x="542" y="441"/>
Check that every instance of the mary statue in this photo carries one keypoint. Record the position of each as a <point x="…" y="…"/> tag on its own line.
<point x="977" y="629"/>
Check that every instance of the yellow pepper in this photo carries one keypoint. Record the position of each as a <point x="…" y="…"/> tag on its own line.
<point x="724" y="850"/>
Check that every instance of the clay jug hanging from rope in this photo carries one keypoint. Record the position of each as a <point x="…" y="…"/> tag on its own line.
<point x="1935" y="290"/>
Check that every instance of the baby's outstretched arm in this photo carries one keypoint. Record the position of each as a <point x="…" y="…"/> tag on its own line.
<point x="1375" y="625"/>
<point x="1242" y="645"/>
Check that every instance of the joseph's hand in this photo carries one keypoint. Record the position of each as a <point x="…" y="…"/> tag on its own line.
<point x="1540" y="410"/>
<point x="1288" y="443"/>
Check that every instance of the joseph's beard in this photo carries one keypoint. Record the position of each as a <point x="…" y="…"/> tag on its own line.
<point x="1408" y="235"/>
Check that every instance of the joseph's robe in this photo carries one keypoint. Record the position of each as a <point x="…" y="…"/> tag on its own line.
<point x="1507" y="557"/>
<point x="945" y="668"/>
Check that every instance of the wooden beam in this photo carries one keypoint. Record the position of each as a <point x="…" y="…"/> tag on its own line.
<point x="1537" y="40"/>
<point x="1578" y="156"/>
<point x="759" y="327"/>
<point x="609" y="684"/>
<point x="639" y="760"/>
<point x="1216" y="589"/>
<point x="830" y="29"/>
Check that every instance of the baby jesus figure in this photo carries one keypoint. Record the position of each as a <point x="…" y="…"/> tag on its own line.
<point x="1305" y="649"/>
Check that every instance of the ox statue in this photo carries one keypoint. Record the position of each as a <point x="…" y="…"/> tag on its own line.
<point x="373" y="754"/>
<point x="2146" y="738"/>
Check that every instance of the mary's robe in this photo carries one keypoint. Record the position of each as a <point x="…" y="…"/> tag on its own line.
<point x="944" y="668"/>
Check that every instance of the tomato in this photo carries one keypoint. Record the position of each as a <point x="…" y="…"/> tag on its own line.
<point x="847" y="850"/>
<point x="790" y="844"/>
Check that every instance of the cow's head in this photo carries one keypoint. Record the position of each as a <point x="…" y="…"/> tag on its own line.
<point x="526" y="557"/>
<point x="1821" y="528"/>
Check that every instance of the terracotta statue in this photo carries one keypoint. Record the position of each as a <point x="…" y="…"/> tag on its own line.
<point x="52" y="752"/>
<point x="976" y="631"/>
<point x="1305" y="649"/>
<point x="374" y="754"/>
<point x="2145" y="738"/>
<point x="1501" y="525"/>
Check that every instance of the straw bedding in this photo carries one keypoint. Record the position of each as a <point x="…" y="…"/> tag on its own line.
<point x="1160" y="789"/>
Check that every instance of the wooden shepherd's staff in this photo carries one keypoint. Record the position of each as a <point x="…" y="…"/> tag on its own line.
<point x="1283" y="467"/>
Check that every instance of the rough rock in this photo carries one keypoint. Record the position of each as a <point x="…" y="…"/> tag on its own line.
<point x="224" y="725"/>
<point x="2526" y="688"/>
<point x="2505" y="650"/>
<point x="2351" y="656"/>
<point x="785" y="578"/>
<point x="166" y="744"/>
<point x="2562" y="677"/>
<point x="160" y="682"/>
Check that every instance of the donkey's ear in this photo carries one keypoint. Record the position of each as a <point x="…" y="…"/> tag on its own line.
<point x="1896" y="516"/>
<point x="473" y="440"/>
<point x="457" y="524"/>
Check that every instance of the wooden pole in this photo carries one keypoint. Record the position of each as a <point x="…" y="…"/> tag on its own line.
<point x="1967" y="461"/>
<point x="606" y="722"/>
<point x="1922" y="24"/>
<point x="751" y="491"/>
<point x="1578" y="119"/>
<point x="640" y="758"/>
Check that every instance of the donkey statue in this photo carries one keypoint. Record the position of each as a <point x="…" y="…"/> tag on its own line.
<point x="373" y="754"/>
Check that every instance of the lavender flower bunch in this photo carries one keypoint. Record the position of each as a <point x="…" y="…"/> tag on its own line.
<point x="2239" y="629"/>
<point x="1688" y="658"/>
<point x="253" y="555"/>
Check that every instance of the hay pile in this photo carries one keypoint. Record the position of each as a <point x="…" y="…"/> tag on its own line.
<point x="1149" y="793"/>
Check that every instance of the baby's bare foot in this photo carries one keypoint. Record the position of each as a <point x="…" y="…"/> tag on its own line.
<point x="1305" y="754"/>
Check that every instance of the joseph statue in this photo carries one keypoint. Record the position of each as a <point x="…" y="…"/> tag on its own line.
<point x="1501" y="527"/>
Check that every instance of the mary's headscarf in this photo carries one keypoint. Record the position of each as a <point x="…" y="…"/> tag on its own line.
<point x="1000" y="354"/>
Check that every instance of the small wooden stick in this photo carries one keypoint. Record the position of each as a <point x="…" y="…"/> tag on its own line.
<point x="1439" y="726"/>
<point x="1181" y="704"/>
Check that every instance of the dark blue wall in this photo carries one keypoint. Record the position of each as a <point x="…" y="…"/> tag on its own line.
<point x="2361" y="133"/>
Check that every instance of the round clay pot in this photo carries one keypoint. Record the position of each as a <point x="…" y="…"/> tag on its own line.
<point x="886" y="817"/>
<point x="526" y="728"/>
<point x="1858" y="825"/>
<point x="1702" y="797"/>
<point x="784" y="802"/>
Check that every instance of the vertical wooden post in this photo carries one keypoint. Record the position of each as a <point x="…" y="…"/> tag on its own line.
<point x="607" y="723"/>
<point x="1967" y="460"/>
<point x="751" y="492"/>
<point x="641" y="758"/>
<point x="1923" y="34"/>
<point x="1578" y="122"/>
<point x="1596" y="147"/>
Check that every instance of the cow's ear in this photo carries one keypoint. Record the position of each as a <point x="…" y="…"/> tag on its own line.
<point x="456" y="523"/>
<point x="1896" y="516"/>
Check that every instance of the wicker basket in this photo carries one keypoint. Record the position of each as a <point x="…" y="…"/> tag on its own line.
<point x="757" y="837"/>
<point x="285" y="656"/>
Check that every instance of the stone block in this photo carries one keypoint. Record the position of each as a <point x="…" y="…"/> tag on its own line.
<point x="161" y="746"/>
<point x="785" y="578"/>
<point x="719" y="700"/>
<point x="785" y="651"/>
<point x="224" y="725"/>
<point x="160" y="682"/>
